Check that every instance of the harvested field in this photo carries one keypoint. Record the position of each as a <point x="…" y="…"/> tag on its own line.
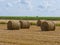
<point x="6" y="21"/>
<point x="32" y="36"/>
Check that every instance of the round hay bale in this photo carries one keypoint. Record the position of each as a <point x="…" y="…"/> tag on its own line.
<point x="25" y="24"/>
<point x="13" y="25"/>
<point x="48" y="26"/>
<point x="39" y="22"/>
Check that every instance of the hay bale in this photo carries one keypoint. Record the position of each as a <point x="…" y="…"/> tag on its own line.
<point x="39" y="22"/>
<point x="25" y="24"/>
<point x="13" y="25"/>
<point x="48" y="26"/>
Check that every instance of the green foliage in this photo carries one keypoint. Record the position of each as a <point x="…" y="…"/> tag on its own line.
<point x="29" y="18"/>
<point x="32" y="23"/>
<point x="3" y="23"/>
<point x="57" y="24"/>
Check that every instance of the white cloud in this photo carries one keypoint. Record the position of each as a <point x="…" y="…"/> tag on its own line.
<point x="28" y="3"/>
<point x="48" y="5"/>
<point x="9" y="5"/>
<point x="19" y="0"/>
<point x="2" y="0"/>
<point x="23" y="2"/>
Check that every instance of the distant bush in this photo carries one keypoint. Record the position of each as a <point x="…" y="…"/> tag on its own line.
<point x="57" y="24"/>
<point x="32" y="23"/>
<point x="29" y="18"/>
<point x="3" y="23"/>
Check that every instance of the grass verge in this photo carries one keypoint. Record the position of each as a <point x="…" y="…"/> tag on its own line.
<point x="3" y="23"/>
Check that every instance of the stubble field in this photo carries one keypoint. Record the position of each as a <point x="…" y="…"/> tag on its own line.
<point x="32" y="36"/>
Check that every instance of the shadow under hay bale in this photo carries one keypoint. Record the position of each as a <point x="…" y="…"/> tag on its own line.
<point x="39" y="22"/>
<point x="48" y="26"/>
<point x="25" y="24"/>
<point x="13" y="25"/>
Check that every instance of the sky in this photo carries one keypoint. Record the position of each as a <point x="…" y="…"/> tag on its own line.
<point x="30" y="8"/>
